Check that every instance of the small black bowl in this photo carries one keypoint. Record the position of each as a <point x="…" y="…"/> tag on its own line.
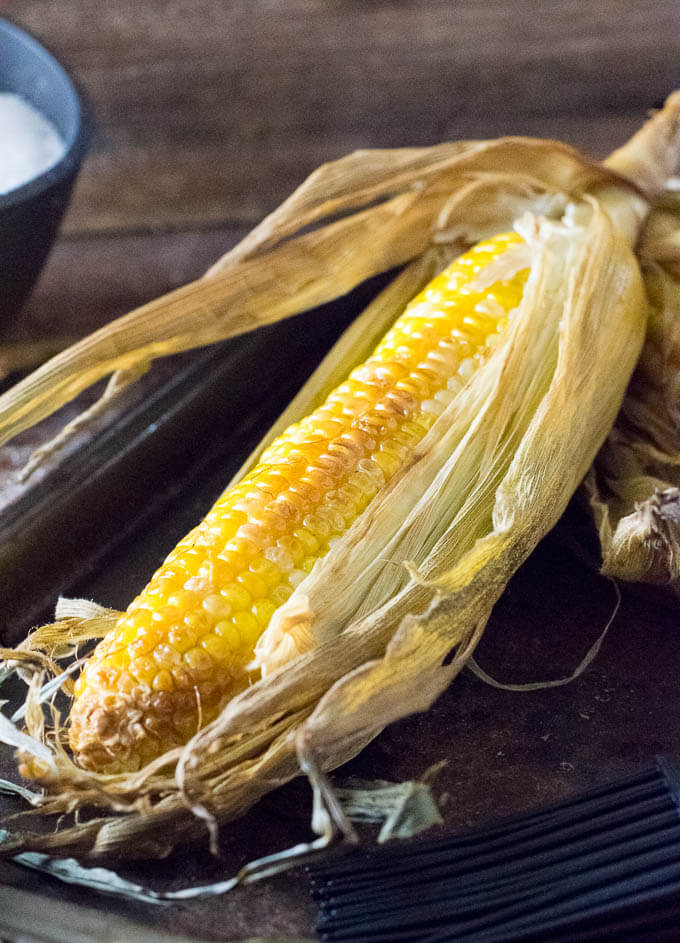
<point x="30" y="214"/>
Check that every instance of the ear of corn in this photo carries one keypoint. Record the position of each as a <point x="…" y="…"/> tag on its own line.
<point x="183" y="647"/>
<point x="487" y="479"/>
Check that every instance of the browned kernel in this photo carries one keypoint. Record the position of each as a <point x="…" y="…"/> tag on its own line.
<point x="183" y="646"/>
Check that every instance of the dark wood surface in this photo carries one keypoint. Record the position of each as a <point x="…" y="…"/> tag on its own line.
<point x="210" y="112"/>
<point x="206" y="115"/>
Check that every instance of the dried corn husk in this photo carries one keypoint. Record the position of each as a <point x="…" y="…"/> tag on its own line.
<point x="634" y="487"/>
<point x="390" y="616"/>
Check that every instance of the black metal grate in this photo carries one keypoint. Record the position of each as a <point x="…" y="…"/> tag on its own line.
<point x="603" y="865"/>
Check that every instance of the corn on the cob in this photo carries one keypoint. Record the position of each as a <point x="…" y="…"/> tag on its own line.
<point x="182" y="648"/>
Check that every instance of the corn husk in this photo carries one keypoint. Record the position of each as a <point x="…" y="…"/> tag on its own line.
<point x="389" y="617"/>
<point x="634" y="487"/>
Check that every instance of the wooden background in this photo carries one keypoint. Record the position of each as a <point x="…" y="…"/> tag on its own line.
<point x="208" y="113"/>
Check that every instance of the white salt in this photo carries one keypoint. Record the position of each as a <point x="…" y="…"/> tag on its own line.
<point x="29" y="143"/>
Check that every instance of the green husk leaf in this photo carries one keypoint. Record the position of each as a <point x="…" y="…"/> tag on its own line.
<point x="402" y="809"/>
<point x="15" y="789"/>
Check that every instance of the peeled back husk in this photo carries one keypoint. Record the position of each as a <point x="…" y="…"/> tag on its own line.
<point x="634" y="487"/>
<point x="390" y="615"/>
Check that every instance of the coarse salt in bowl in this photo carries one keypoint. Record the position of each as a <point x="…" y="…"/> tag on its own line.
<point x="43" y="139"/>
<point x="31" y="144"/>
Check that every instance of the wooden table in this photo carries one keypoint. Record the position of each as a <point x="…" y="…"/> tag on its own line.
<point x="206" y="115"/>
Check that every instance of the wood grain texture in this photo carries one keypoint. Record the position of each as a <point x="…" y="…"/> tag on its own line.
<point x="89" y="280"/>
<point x="210" y="112"/>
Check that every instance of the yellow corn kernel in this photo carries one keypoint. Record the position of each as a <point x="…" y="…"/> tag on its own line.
<point x="253" y="584"/>
<point x="267" y="571"/>
<point x="228" y="631"/>
<point x="162" y="680"/>
<point x="236" y="596"/>
<point x="183" y="647"/>
<point x="263" y="610"/>
<point x="247" y="625"/>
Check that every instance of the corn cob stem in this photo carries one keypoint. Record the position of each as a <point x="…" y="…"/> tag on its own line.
<point x="182" y="648"/>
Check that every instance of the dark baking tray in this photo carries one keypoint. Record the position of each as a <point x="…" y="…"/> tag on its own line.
<point x="180" y="441"/>
<point x="101" y="520"/>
